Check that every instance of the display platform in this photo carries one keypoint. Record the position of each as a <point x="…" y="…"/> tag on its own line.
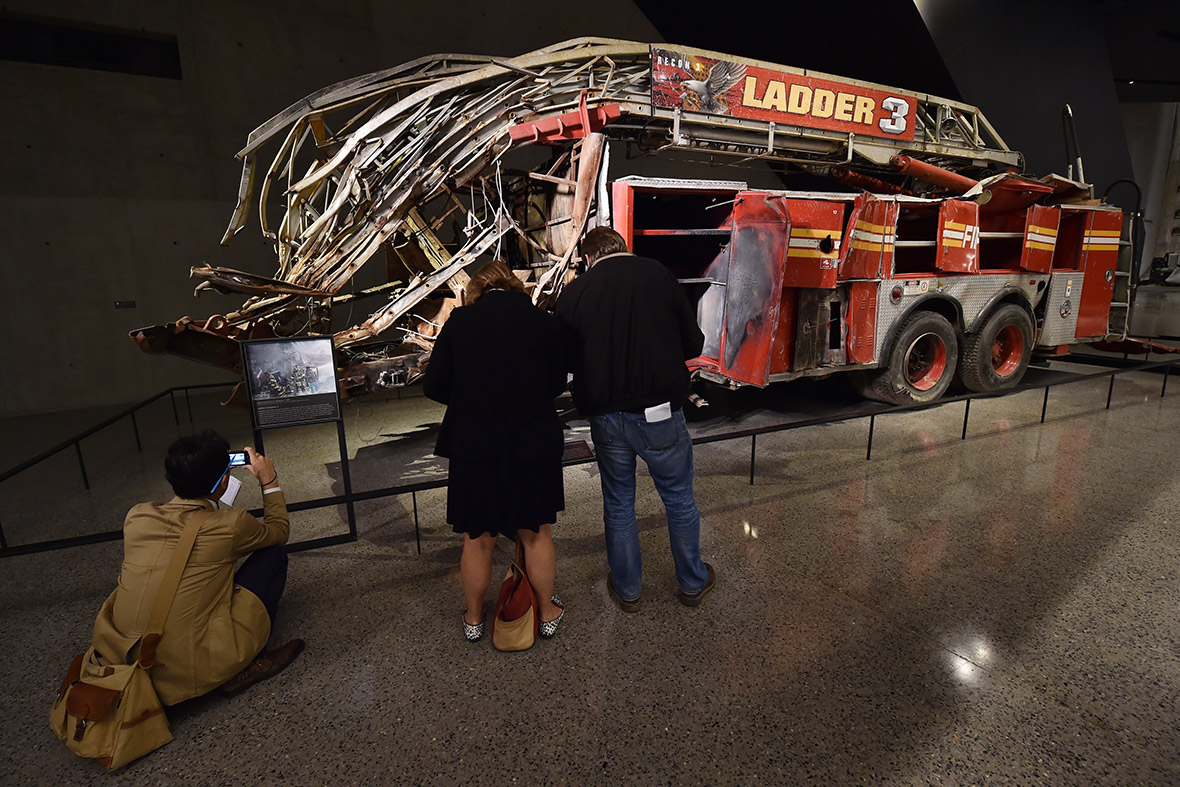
<point x="1156" y="312"/>
<point x="404" y="459"/>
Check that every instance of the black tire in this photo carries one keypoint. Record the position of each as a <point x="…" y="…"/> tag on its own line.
<point x="997" y="356"/>
<point x="921" y="363"/>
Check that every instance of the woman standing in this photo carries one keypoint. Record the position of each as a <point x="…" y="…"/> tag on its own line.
<point x="497" y="365"/>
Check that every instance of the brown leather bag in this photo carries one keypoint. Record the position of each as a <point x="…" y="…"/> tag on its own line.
<point x="110" y="712"/>
<point x="517" y="618"/>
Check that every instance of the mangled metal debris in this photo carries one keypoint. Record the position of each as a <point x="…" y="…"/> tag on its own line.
<point x="411" y="166"/>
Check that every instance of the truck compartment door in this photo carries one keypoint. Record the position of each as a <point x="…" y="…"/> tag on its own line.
<point x="958" y="237"/>
<point x="868" y="244"/>
<point x="814" y="247"/>
<point x="761" y="231"/>
<point x="1040" y="238"/>
<point x="1100" y="256"/>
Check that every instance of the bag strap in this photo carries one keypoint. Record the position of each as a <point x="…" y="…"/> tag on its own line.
<point x="167" y="592"/>
<point x="518" y="561"/>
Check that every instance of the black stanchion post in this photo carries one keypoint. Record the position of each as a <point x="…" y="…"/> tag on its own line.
<point x="189" y="404"/>
<point x="175" y="415"/>
<point x="1164" y="388"/>
<point x="869" y="450"/>
<point x="417" y="532"/>
<point x="1045" y="404"/>
<point x="753" y="446"/>
<point x="349" y="506"/>
<point x="3" y="540"/>
<point x="966" y="415"/>
<point x="82" y="465"/>
<point x="135" y="426"/>
<point x="1110" y="391"/>
<point x="258" y="442"/>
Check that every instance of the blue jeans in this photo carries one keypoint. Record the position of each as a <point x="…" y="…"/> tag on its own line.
<point x="667" y="449"/>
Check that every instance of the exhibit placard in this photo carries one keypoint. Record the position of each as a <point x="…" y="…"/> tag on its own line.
<point x="697" y="83"/>
<point x="291" y="381"/>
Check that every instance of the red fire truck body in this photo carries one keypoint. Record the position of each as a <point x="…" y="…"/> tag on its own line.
<point x="905" y="290"/>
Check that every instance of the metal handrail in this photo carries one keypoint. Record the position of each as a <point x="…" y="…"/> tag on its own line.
<point x="752" y="433"/>
<point x="130" y="411"/>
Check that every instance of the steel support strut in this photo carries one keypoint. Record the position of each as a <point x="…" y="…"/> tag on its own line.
<point x="82" y="465"/>
<point x="753" y="447"/>
<point x="869" y="450"/>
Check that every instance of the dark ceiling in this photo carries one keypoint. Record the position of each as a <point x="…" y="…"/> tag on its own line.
<point x="1143" y="37"/>
<point x="886" y="41"/>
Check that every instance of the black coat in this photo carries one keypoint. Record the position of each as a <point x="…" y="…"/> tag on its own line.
<point x="498" y="364"/>
<point x="629" y="330"/>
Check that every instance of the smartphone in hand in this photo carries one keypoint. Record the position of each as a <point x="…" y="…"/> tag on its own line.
<point x="238" y="458"/>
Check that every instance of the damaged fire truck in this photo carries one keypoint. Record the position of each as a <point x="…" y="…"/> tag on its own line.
<point x="908" y="247"/>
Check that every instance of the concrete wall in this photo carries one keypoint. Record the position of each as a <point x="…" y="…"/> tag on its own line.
<point x="1020" y="62"/>
<point x="113" y="185"/>
<point x="1150" y="130"/>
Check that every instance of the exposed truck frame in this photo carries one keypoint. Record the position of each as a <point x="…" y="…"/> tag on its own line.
<point x="930" y="256"/>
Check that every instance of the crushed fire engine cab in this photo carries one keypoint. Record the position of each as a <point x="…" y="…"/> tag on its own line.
<point x="913" y="253"/>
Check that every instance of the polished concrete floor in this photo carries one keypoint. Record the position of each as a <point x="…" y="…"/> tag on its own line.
<point x="1004" y="608"/>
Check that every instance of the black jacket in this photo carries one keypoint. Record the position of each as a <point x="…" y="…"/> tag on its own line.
<point x="498" y="364"/>
<point x="629" y="330"/>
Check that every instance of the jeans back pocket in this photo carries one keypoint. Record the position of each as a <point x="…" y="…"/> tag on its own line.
<point x="660" y="435"/>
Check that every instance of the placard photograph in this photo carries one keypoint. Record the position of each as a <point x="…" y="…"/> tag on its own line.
<point x="292" y="381"/>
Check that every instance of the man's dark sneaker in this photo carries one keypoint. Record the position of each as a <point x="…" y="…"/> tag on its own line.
<point x="266" y="665"/>
<point x="627" y="606"/>
<point x="692" y="599"/>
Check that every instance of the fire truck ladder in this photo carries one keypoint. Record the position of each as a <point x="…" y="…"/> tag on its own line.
<point x="947" y="133"/>
<point x="1124" y="283"/>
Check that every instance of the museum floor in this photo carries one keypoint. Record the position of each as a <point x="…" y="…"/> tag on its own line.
<point x="1004" y="608"/>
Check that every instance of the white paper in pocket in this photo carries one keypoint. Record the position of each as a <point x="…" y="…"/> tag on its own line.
<point x="661" y="412"/>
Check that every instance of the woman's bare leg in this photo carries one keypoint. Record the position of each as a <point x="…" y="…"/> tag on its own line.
<point x="475" y="571"/>
<point x="541" y="563"/>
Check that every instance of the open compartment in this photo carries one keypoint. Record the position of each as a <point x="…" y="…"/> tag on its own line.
<point x="913" y="246"/>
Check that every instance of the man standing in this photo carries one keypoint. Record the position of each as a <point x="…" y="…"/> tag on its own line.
<point x="630" y="330"/>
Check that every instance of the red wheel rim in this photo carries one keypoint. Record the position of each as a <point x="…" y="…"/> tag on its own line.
<point x="925" y="361"/>
<point x="1007" y="350"/>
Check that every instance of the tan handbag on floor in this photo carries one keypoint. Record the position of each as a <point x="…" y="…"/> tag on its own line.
<point x="111" y="713"/>
<point x="517" y="619"/>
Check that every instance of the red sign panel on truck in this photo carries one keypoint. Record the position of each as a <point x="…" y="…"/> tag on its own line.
<point x="698" y="83"/>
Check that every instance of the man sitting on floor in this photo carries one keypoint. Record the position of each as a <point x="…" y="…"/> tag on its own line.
<point x="219" y="620"/>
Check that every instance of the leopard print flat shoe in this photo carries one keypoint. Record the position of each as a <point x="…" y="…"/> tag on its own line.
<point x="473" y="633"/>
<point x="549" y="627"/>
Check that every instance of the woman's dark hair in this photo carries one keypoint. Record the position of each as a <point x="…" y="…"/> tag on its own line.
<point x="195" y="462"/>
<point x="600" y="242"/>
<point x="495" y="275"/>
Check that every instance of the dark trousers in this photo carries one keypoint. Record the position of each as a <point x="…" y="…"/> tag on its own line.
<point x="265" y="575"/>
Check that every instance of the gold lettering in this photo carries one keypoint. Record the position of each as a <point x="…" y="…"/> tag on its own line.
<point x="844" y="107"/>
<point x="775" y="97"/>
<point x="749" y="98"/>
<point x="864" y="110"/>
<point x="800" y="102"/>
<point x="823" y="104"/>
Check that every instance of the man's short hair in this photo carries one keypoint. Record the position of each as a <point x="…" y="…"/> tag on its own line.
<point x="600" y="242"/>
<point x="195" y="462"/>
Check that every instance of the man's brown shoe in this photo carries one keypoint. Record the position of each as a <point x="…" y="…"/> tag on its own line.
<point x="627" y="605"/>
<point x="266" y="665"/>
<point x="692" y="599"/>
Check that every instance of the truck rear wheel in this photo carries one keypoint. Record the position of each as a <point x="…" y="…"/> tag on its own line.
<point x="997" y="356"/>
<point x="921" y="362"/>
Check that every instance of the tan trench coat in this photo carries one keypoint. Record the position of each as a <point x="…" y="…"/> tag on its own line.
<point x="214" y="628"/>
